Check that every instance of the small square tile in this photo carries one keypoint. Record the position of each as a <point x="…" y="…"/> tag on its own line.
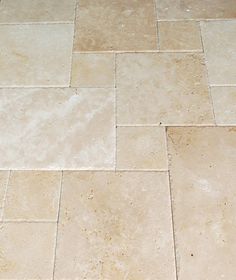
<point x="219" y="42"/>
<point x="224" y="101"/>
<point x="115" y="226"/>
<point x="57" y="128"/>
<point x="141" y="148"/>
<point x="93" y="70"/>
<point x="162" y="88"/>
<point x="35" y="55"/>
<point x="180" y="36"/>
<point x="3" y="183"/>
<point x="33" y="196"/>
<point x="105" y="25"/>
<point x="23" y="11"/>
<point x="202" y="169"/>
<point x="27" y="250"/>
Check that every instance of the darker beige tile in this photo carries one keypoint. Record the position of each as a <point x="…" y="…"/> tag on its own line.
<point x="105" y="25"/>
<point x="202" y="166"/>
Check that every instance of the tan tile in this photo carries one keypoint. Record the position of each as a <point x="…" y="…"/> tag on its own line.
<point x="167" y="88"/>
<point x="180" y="35"/>
<point x="219" y="43"/>
<point x="141" y="148"/>
<point x="57" y="128"/>
<point x="93" y="70"/>
<point x="192" y="9"/>
<point x="33" y="196"/>
<point x="27" y="250"/>
<point x="3" y="183"/>
<point x="202" y="166"/>
<point x="224" y="101"/>
<point x="105" y="25"/>
<point x="35" y="55"/>
<point x="115" y="226"/>
<point x="12" y="11"/>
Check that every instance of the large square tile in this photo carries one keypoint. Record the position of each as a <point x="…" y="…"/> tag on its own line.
<point x="202" y="168"/>
<point x="219" y="43"/>
<point x="57" y="129"/>
<point x="12" y="11"/>
<point x="27" y="250"/>
<point x="35" y="55"/>
<point x="106" y="25"/>
<point x="164" y="88"/>
<point x="115" y="226"/>
<point x="3" y="184"/>
<point x="32" y="196"/>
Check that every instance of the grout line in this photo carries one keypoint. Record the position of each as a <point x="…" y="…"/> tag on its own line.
<point x="19" y="221"/>
<point x="141" y="170"/>
<point x="138" y="51"/>
<point x="165" y="125"/>
<point x="222" y="85"/>
<point x="5" y="196"/>
<point x="198" y="19"/>
<point x="157" y="30"/>
<point x="115" y="90"/>
<point x="37" y="23"/>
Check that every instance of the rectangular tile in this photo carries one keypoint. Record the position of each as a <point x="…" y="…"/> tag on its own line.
<point x="12" y="11"/>
<point x="219" y="43"/>
<point x="3" y="183"/>
<point x="35" y="55"/>
<point x="115" y="226"/>
<point x="105" y="25"/>
<point x="164" y="88"/>
<point x="202" y="166"/>
<point x="57" y="128"/>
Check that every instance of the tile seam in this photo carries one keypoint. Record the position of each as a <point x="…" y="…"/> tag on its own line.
<point x="5" y="196"/>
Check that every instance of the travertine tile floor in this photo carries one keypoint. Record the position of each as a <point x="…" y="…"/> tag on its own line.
<point x="117" y="140"/>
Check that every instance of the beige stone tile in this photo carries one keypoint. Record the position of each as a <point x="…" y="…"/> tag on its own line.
<point x="22" y="11"/>
<point x="192" y="9"/>
<point x="27" y="250"/>
<point x="179" y="35"/>
<point x="202" y="165"/>
<point x="219" y="43"/>
<point x="33" y="196"/>
<point x="141" y="148"/>
<point x="105" y="25"/>
<point x="93" y="70"/>
<point x="35" y="55"/>
<point x="224" y="101"/>
<point x="3" y="183"/>
<point x="115" y="226"/>
<point x="167" y="88"/>
<point x="57" y="128"/>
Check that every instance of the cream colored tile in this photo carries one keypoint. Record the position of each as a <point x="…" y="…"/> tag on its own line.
<point x="141" y="148"/>
<point x="22" y="11"/>
<point x="202" y="165"/>
<point x="180" y="35"/>
<point x="224" y="101"/>
<point x="57" y="128"/>
<point x="219" y="43"/>
<point x="35" y="55"/>
<point x="27" y="250"/>
<point x="115" y="226"/>
<point x="93" y="70"/>
<point x="105" y="25"/>
<point x="164" y="88"/>
<point x="3" y="183"/>
<point x="192" y="9"/>
<point x="33" y="196"/>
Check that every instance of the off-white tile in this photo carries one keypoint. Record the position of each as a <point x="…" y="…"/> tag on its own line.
<point x="57" y="129"/>
<point x="202" y="165"/>
<point x="35" y="55"/>
<point x="115" y="226"/>
<point x="3" y="185"/>
<point x="164" y="88"/>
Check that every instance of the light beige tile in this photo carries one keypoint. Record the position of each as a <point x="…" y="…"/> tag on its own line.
<point x="115" y="226"/>
<point x="141" y="148"/>
<point x="57" y="128"/>
<point x="192" y="9"/>
<point x="22" y="11"/>
<point x="224" y="101"/>
<point x="3" y="183"/>
<point x="93" y="70"/>
<point x="179" y="35"/>
<point x="35" y="55"/>
<point x="202" y="165"/>
<point x="33" y="196"/>
<point x="105" y="25"/>
<point x="219" y="43"/>
<point x="27" y="250"/>
<point x="164" y="88"/>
